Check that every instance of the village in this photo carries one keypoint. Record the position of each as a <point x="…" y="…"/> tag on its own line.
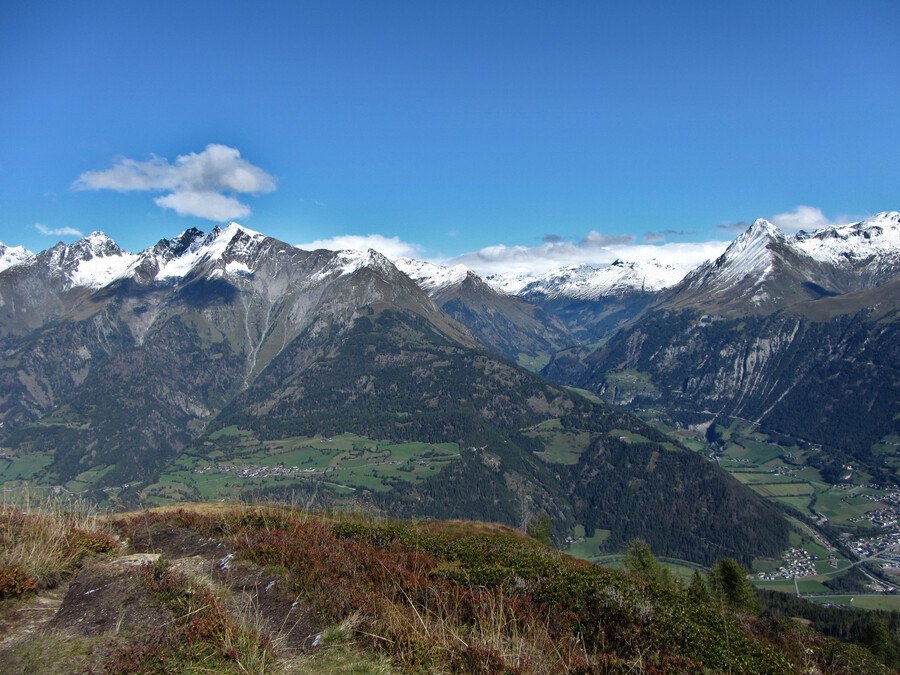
<point x="886" y="547"/>
<point x="889" y="516"/>
<point x="798" y="563"/>
<point x="256" y="470"/>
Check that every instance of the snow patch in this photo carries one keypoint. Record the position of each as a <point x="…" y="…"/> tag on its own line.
<point x="430" y="277"/>
<point x="349" y="261"/>
<point x="587" y="282"/>
<point x="11" y="256"/>
<point x="238" y="268"/>
<point x="102" y="271"/>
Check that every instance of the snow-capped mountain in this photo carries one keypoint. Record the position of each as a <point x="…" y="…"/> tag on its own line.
<point x="765" y="269"/>
<point x="797" y="333"/>
<point x="96" y="261"/>
<point x="586" y="282"/>
<point x="592" y="301"/>
<point x="117" y="365"/>
<point x="93" y="261"/>
<point x="507" y="324"/>
<point x="870" y="248"/>
<point x="430" y="277"/>
<point x="752" y="255"/>
<point x="263" y="274"/>
<point x="13" y="255"/>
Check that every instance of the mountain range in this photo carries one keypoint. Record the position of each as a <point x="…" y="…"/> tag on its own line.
<point x="129" y="375"/>
<point x="798" y="334"/>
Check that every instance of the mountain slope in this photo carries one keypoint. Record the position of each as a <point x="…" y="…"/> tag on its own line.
<point x="592" y="302"/>
<point x="231" y="588"/>
<point x="798" y="334"/>
<point x="494" y="412"/>
<point x="509" y="325"/>
<point x="207" y="339"/>
<point x="134" y="369"/>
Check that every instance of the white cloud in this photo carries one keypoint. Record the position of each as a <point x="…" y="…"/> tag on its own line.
<point x="733" y="228"/>
<point x="597" y="239"/>
<point x="554" y="252"/>
<point x="196" y="182"/>
<point x="538" y="259"/>
<point x="57" y="232"/>
<point x="392" y="247"/>
<point x="209" y="205"/>
<point x="806" y="218"/>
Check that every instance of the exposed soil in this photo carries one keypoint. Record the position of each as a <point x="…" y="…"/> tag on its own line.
<point x="103" y="605"/>
<point x="101" y="600"/>
<point x="257" y="596"/>
<point x="264" y="598"/>
<point x="176" y="542"/>
<point x="20" y="620"/>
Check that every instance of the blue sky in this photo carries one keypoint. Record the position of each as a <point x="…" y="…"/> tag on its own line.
<point x="441" y="129"/>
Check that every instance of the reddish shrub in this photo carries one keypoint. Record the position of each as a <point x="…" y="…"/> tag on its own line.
<point x="14" y="582"/>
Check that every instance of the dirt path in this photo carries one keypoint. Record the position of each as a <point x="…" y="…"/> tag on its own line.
<point x="101" y="605"/>
<point x="20" y="621"/>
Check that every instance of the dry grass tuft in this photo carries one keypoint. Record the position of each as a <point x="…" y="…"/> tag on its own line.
<point x="47" y="540"/>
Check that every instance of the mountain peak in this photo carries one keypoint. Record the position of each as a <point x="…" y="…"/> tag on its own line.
<point x="761" y="228"/>
<point x="96" y="245"/>
<point x="877" y="237"/>
<point x="891" y="218"/>
<point x="753" y="245"/>
<point x="93" y="261"/>
<point x="430" y="277"/>
<point x="224" y="236"/>
<point x="13" y="255"/>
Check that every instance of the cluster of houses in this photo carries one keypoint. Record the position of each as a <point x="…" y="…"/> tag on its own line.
<point x="869" y="546"/>
<point x="255" y="470"/>
<point x="785" y="471"/>
<point x="889" y="516"/>
<point x="798" y="562"/>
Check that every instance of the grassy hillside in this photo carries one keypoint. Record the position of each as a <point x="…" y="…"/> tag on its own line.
<point x="216" y="588"/>
<point x="525" y="445"/>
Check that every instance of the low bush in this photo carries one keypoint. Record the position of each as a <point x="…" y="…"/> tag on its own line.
<point x="15" y="583"/>
<point x="498" y="602"/>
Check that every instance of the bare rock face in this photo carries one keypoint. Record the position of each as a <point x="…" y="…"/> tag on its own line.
<point x="102" y="600"/>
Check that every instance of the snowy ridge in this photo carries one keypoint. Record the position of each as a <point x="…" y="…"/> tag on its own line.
<point x="586" y="282"/>
<point x="750" y="255"/>
<point x="14" y="255"/>
<point x="236" y="240"/>
<point x="93" y="262"/>
<point x="841" y="244"/>
<point x="432" y="278"/>
<point x="873" y="243"/>
<point x="349" y="261"/>
<point x="870" y="247"/>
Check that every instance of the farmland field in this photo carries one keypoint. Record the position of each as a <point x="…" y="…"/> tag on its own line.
<point x="587" y="549"/>
<point x="341" y="463"/>
<point x="783" y="489"/>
